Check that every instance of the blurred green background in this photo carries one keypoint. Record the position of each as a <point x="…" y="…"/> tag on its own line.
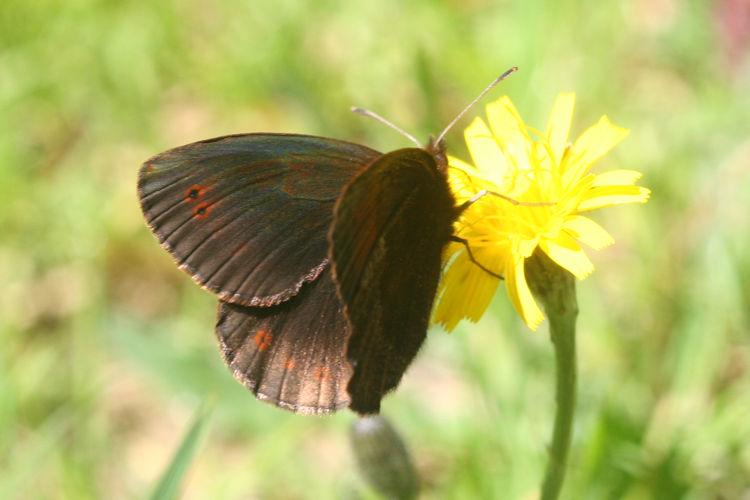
<point x="107" y="349"/>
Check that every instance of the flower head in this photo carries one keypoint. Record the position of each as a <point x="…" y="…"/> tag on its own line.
<point x="550" y="178"/>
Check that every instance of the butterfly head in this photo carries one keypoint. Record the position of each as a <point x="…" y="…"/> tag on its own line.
<point x="436" y="147"/>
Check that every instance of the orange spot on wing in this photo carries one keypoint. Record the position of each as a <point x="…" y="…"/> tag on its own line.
<point x="202" y="210"/>
<point x="289" y="364"/>
<point x="263" y="339"/>
<point x="194" y="193"/>
<point x="323" y="374"/>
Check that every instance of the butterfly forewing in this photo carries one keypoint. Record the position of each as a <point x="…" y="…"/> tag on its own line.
<point x="390" y="225"/>
<point x="247" y="215"/>
<point x="291" y="354"/>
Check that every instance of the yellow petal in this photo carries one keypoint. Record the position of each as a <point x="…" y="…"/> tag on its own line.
<point x="558" y="127"/>
<point x="466" y="180"/>
<point x="617" y="178"/>
<point x="605" y="196"/>
<point x="526" y="246"/>
<point x="503" y="115"/>
<point x="510" y="132"/>
<point x="568" y="254"/>
<point x="484" y="150"/>
<point x="445" y="311"/>
<point x="461" y="177"/>
<point x="594" y="143"/>
<point x="465" y="292"/>
<point x="449" y="251"/>
<point x="587" y="231"/>
<point x="458" y="163"/>
<point x="521" y="297"/>
<point x="574" y="193"/>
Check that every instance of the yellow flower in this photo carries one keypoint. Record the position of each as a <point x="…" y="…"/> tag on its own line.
<point x="525" y="165"/>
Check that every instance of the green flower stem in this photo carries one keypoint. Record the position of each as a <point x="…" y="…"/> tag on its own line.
<point x="555" y="289"/>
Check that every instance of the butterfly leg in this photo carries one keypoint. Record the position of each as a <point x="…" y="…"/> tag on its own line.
<point x="471" y="256"/>
<point x="484" y="192"/>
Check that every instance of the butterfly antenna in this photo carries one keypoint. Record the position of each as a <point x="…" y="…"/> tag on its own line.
<point x="476" y="100"/>
<point x="366" y="112"/>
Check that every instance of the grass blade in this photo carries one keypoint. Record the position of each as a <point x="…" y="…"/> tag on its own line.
<point x="172" y="477"/>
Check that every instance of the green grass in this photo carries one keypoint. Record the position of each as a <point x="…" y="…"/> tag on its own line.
<point x="107" y="350"/>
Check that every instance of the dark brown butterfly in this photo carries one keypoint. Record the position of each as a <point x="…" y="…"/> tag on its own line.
<point x="325" y="256"/>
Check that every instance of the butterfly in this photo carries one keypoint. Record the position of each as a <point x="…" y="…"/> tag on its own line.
<point x="325" y="256"/>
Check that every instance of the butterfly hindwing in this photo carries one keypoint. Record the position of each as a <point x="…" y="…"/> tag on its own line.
<point x="291" y="354"/>
<point x="247" y="215"/>
<point x="390" y="226"/>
